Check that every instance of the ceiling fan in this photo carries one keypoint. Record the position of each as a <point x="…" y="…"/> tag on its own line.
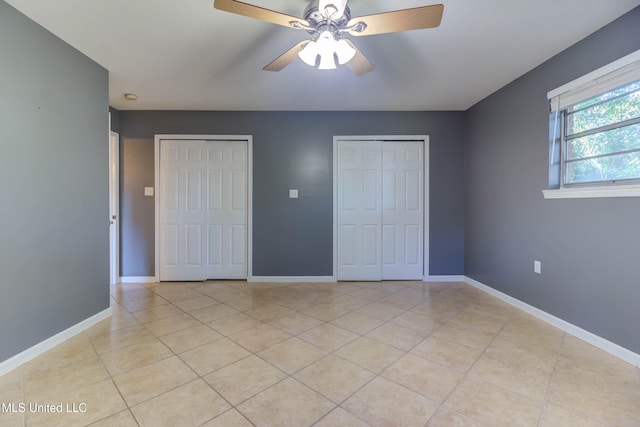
<point x="329" y="22"/>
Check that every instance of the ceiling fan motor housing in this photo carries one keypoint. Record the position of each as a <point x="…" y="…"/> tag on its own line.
<point x="317" y="19"/>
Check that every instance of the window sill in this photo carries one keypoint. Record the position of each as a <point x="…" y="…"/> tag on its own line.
<point x="593" y="192"/>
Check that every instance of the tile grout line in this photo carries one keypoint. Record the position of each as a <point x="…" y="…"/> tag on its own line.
<point x="111" y="377"/>
<point x="553" y="373"/>
<point x="466" y="373"/>
<point x="128" y="408"/>
<point x="569" y="409"/>
<point x="23" y="395"/>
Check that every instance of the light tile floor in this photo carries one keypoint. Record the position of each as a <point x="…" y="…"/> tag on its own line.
<point x="348" y="354"/>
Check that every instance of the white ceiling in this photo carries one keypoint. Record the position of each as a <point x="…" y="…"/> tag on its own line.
<point x="186" y="55"/>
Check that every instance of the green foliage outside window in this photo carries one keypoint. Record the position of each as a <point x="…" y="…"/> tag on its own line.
<point x="612" y="153"/>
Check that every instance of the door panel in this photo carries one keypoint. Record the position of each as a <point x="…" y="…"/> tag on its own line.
<point x="349" y="194"/>
<point x="171" y="244"/>
<point x="194" y="244"/>
<point x="412" y="187"/>
<point x="370" y="244"/>
<point x="170" y="192"/>
<point x="371" y="194"/>
<point x="388" y="189"/>
<point x="238" y="193"/>
<point x="215" y="154"/>
<point x="194" y="190"/>
<point x="389" y="251"/>
<point x="347" y="248"/>
<point x="215" y="245"/>
<point x="238" y="250"/>
<point x="215" y="190"/>
<point x="412" y="253"/>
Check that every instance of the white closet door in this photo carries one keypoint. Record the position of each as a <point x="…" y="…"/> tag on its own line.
<point x="359" y="220"/>
<point x="227" y="210"/>
<point x="182" y="210"/>
<point x="402" y="210"/>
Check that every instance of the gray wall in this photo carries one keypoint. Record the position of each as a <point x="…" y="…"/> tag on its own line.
<point x="54" y="243"/>
<point x="294" y="150"/>
<point x="137" y="220"/>
<point x="589" y="248"/>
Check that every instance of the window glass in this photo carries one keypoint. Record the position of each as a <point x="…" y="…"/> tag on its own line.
<point x="612" y="107"/>
<point x="601" y="137"/>
<point x="611" y="168"/>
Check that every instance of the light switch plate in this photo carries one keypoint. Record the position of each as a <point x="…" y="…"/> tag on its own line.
<point x="293" y="194"/>
<point x="148" y="191"/>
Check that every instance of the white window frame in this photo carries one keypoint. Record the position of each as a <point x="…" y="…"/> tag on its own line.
<point x="588" y="86"/>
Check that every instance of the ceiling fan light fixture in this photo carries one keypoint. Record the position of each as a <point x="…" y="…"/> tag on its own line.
<point x="328" y="48"/>
<point x="327" y="61"/>
<point x="326" y="43"/>
<point x="309" y="53"/>
<point x="344" y="52"/>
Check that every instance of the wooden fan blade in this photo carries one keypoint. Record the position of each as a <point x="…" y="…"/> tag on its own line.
<point x="286" y="58"/>
<point x="399" y="20"/>
<point x="360" y="65"/>
<point x="257" y="12"/>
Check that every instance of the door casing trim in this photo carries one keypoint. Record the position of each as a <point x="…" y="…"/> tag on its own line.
<point x="114" y="206"/>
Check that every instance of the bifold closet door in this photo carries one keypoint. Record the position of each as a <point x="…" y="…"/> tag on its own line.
<point x="182" y="210"/>
<point x="380" y="210"/>
<point x="402" y="210"/>
<point x="227" y="210"/>
<point x="203" y="210"/>
<point x="359" y="202"/>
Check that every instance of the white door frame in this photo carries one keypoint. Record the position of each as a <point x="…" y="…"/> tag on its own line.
<point x="156" y="184"/>
<point x="425" y="140"/>
<point x="114" y="208"/>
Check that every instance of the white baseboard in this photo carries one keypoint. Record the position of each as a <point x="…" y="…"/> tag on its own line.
<point x="593" y="339"/>
<point x="138" y="279"/>
<point x="443" y="279"/>
<point x="46" y="345"/>
<point x="292" y="279"/>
